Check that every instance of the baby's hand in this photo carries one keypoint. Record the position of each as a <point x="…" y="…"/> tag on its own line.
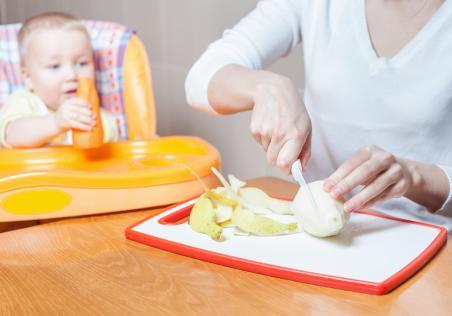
<point x="75" y="113"/>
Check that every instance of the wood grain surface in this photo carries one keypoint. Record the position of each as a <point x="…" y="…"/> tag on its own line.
<point x="86" y="266"/>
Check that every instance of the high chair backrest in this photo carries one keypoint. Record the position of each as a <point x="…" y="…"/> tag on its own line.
<point x="123" y="77"/>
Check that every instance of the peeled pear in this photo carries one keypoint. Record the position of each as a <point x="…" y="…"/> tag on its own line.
<point x="202" y="218"/>
<point x="327" y="220"/>
<point x="249" y="222"/>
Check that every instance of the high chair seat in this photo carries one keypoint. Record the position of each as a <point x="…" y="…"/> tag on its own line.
<point x="141" y="171"/>
<point x="123" y="76"/>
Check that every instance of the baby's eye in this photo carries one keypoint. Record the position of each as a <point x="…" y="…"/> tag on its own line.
<point x="83" y="63"/>
<point x="54" y="66"/>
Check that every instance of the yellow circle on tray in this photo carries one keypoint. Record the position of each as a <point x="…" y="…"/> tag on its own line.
<point x="36" y="201"/>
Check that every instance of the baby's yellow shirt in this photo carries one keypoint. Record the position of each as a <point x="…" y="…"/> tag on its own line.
<point x="23" y="103"/>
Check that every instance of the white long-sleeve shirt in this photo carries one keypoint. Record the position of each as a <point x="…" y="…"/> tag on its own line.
<point x="402" y="104"/>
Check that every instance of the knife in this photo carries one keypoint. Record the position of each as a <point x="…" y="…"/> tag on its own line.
<point x="297" y="174"/>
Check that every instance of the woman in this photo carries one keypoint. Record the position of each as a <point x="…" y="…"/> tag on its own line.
<point x="377" y="106"/>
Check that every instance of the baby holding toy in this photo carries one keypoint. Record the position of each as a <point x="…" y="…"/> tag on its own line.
<point x="55" y="52"/>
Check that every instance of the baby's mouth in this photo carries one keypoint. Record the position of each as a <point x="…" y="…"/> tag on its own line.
<point x="72" y="92"/>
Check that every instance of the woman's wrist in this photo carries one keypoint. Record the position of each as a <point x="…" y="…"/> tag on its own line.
<point x="234" y="88"/>
<point x="266" y="81"/>
<point x="430" y="185"/>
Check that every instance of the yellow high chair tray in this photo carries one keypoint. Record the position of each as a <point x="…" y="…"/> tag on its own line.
<point x="65" y="181"/>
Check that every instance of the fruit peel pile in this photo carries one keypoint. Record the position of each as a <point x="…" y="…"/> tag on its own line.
<point x="243" y="208"/>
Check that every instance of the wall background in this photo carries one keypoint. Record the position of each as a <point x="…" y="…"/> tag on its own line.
<point x="175" y="33"/>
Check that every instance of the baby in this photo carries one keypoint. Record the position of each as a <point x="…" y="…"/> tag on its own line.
<point x="55" y="51"/>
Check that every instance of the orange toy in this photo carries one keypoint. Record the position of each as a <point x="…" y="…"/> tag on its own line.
<point x="94" y="138"/>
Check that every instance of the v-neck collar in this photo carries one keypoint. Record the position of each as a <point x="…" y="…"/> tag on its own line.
<point x="410" y="47"/>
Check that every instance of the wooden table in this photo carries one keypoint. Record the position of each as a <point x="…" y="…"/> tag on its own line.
<point x="85" y="266"/>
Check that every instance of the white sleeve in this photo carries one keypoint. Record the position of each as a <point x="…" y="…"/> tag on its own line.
<point x="446" y="209"/>
<point x="270" y="31"/>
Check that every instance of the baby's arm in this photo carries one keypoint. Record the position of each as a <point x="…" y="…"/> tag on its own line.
<point x="30" y="132"/>
<point x="35" y="131"/>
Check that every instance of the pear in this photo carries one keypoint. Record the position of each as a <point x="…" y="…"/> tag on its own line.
<point x="202" y="218"/>
<point x="328" y="219"/>
<point x="247" y="221"/>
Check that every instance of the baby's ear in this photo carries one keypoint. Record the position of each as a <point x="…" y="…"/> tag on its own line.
<point x="26" y="76"/>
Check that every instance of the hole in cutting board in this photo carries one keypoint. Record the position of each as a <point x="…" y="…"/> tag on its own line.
<point x="176" y="218"/>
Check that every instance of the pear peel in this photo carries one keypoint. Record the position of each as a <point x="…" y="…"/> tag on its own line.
<point x="238" y="207"/>
<point x="202" y="218"/>
<point x="223" y="213"/>
<point x="249" y="222"/>
<point x="259" y="198"/>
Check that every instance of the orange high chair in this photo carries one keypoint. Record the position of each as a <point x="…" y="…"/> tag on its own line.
<point x="140" y="171"/>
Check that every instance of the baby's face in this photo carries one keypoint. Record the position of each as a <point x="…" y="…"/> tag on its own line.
<point x="53" y="63"/>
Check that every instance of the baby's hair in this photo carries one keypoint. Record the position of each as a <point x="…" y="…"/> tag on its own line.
<point x="47" y="21"/>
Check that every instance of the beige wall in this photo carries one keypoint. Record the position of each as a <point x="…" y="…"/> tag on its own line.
<point x="175" y="33"/>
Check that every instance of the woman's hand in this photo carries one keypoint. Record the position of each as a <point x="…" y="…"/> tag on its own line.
<point x="383" y="175"/>
<point x="280" y="122"/>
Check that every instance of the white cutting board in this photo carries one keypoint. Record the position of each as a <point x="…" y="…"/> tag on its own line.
<point x="373" y="254"/>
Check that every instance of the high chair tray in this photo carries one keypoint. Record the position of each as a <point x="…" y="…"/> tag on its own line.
<point x="64" y="181"/>
<point x="373" y="254"/>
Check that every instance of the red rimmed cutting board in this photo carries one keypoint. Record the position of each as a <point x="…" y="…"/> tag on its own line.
<point x="373" y="254"/>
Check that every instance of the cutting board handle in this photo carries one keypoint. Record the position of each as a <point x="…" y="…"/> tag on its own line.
<point x="179" y="217"/>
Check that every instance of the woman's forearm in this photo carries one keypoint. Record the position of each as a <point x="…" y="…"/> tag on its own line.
<point x="233" y="87"/>
<point x="430" y="185"/>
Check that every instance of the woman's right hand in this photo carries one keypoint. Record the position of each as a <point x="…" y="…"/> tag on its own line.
<point x="280" y="122"/>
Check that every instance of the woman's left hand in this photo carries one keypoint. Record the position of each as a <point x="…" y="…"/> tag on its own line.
<point x="383" y="175"/>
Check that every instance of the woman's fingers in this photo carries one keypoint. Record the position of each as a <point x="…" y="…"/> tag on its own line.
<point x="305" y="154"/>
<point x="261" y="134"/>
<point x="280" y="122"/>
<point x="344" y="170"/>
<point x="381" y="173"/>
<point x="289" y="153"/>
<point x="374" y="190"/>
<point x="272" y="151"/>
<point x="363" y="174"/>
<point x="392" y="191"/>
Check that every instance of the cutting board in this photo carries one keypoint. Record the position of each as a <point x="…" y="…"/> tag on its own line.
<point x="373" y="254"/>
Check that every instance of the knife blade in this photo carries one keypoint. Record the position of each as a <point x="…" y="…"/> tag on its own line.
<point x="297" y="174"/>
